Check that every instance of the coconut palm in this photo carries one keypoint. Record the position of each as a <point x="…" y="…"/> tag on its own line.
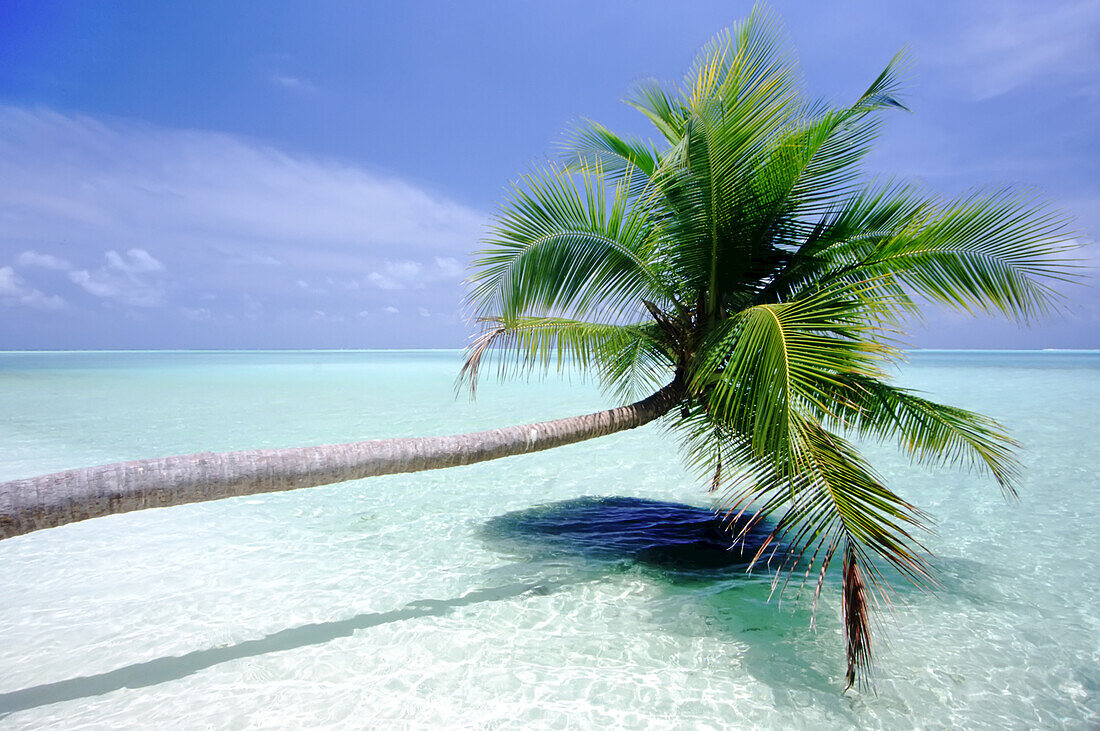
<point x="745" y="260"/>
<point x="742" y="271"/>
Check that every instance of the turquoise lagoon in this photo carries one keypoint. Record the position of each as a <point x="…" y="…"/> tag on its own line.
<point x="387" y="603"/>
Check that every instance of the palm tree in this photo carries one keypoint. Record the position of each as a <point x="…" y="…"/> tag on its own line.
<point x="743" y="272"/>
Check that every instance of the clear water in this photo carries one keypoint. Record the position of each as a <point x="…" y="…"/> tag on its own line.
<point x="390" y="601"/>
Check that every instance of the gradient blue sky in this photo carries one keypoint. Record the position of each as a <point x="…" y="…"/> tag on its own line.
<point x="286" y="175"/>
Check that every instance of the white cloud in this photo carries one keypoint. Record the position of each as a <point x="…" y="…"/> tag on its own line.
<point x="170" y="227"/>
<point x="71" y="178"/>
<point x="238" y="218"/>
<point x="123" y="279"/>
<point x="294" y="83"/>
<point x="136" y="261"/>
<point x="396" y="275"/>
<point x="43" y="261"/>
<point x="403" y="269"/>
<point x="423" y="312"/>
<point x="406" y="274"/>
<point x="448" y="267"/>
<point x="252" y="259"/>
<point x="15" y="292"/>
<point x="1003" y="45"/>
<point x="197" y="314"/>
<point x="383" y="282"/>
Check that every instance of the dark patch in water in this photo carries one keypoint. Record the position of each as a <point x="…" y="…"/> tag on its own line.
<point x="669" y="536"/>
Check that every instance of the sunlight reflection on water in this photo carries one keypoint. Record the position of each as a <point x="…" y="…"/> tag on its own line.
<point x="443" y="598"/>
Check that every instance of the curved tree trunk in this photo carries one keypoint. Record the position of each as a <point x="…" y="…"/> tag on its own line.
<point x="66" y="497"/>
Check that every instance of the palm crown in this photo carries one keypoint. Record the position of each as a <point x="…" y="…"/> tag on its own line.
<point x="746" y="260"/>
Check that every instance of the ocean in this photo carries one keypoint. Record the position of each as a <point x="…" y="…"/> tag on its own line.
<point x="443" y="599"/>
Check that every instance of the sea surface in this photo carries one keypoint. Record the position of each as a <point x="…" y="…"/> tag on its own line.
<point x="487" y="596"/>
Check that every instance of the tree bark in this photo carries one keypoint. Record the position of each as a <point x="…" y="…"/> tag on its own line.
<point x="67" y="497"/>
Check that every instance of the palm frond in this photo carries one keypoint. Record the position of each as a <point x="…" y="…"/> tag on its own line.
<point x="842" y="238"/>
<point x="771" y="360"/>
<point x="762" y="379"/>
<point x="824" y="498"/>
<point x="742" y="91"/>
<point x="929" y="432"/>
<point x="827" y="497"/>
<point x="622" y="356"/>
<point x="632" y="367"/>
<point x="592" y="146"/>
<point x="993" y="251"/>
<point x="557" y="249"/>
<point x="667" y="113"/>
<point x="885" y="91"/>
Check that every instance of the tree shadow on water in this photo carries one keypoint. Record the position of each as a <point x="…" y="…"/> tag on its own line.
<point x="681" y="542"/>
<point x="166" y="669"/>
<point x="690" y="554"/>
<point x="704" y="590"/>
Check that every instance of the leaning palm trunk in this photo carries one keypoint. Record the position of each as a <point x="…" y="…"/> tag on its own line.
<point x="66" y="497"/>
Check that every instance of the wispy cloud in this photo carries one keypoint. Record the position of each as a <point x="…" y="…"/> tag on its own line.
<point x="404" y="274"/>
<point x="136" y="262"/>
<point x="16" y="292"/>
<point x="1003" y="44"/>
<point x="449" y="267"/>
<point x="143" y="216"/>
<point x="124" y="279"/>
<point x="294" y="83"/>
<point x="395" y="275"/>
<point x="31" y="259"/>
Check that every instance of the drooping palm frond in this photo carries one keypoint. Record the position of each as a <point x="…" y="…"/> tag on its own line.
<point x="826" y="498"/>
<point x="857" y="616"/>
<point x="929" y="432"/>
<point x="623" y="356"/>
<point x="763" y="378"/>
<point x="771" y="360"/>
<point x="560" y="249"/>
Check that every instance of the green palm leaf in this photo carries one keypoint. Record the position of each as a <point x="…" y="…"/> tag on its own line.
<point x="557" y="248"/>
<point x="593" y="147"/>
<point x="626" y="358"/>
<point x="930" y="432"/>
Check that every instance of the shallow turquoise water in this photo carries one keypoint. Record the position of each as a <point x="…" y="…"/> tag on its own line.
<point x="384" y="603"/>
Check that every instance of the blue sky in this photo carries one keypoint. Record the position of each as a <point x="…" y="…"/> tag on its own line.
<point x="283" y="175"/>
